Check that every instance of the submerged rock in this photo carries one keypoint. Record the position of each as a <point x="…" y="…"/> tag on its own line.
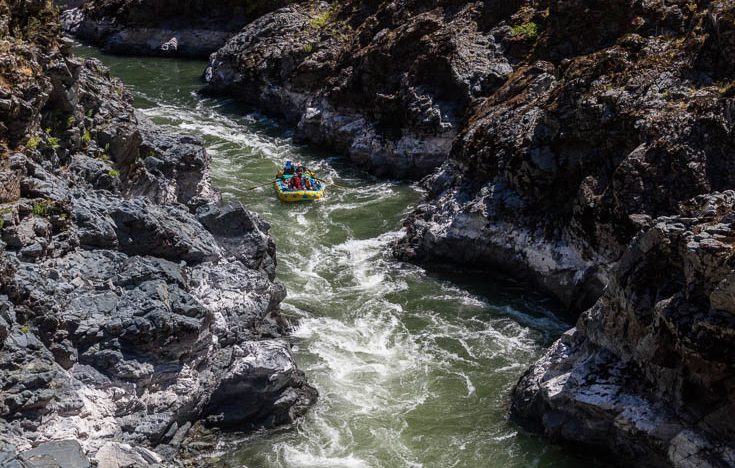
<point x="132" y="304"/>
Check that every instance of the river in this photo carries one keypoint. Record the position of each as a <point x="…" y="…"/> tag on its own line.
<point x="414" y="368"/>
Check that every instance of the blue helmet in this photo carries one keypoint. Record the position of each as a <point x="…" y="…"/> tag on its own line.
<point x="289" y="164"/>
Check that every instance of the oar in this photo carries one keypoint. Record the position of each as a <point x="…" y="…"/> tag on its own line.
<point x="330" y="183"/>
<point x="258" y="186"/>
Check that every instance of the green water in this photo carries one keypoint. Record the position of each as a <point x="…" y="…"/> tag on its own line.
<point x="413" y="368"/>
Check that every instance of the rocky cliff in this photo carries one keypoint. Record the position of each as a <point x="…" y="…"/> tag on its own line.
<point x="648" y="370"/>
<point x="162" y="27"/>
<point x="386" y="83"/>
<point x="132" y="305"/>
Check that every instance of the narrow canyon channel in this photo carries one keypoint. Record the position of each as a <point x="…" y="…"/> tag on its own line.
<point x="413" y="367"/>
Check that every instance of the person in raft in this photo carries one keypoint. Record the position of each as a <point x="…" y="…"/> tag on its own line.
<point x="296" y="182"/>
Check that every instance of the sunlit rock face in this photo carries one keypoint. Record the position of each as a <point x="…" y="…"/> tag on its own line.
<point x="650" y="362"/>
<point x="389" y="85"/>
<point x="132" y="304"/>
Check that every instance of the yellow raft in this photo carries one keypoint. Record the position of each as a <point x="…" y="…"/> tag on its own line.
<point x="294" y="196"/>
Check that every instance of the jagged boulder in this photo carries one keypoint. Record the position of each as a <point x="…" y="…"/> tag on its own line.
<point x="160" y="27"/>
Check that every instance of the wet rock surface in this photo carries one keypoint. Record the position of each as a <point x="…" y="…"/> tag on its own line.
<point x="132" y="304"/>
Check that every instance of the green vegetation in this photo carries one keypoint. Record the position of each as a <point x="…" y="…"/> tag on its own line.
<point x="527" y="30"/>
<point x="113" y="173"/>
<point x="70" y="121"/>
<point x="86" y="137"/>
<point x="24" y="329"/>
<point x="321" y="20"/>
<point x="41" y="208"/>
<point x="3" y="212"/>
<point x="53" y="142"/>
<point x="32" y="142"/>
<point x="308" y="48"/>
<point x="723" y="86"/>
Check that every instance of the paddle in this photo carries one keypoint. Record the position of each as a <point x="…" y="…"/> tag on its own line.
<point x="316" y="178"/>
<point x="330" y="183"/>
<point x="258" y="186"/>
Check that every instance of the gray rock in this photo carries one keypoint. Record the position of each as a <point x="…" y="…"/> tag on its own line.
<point x="641" y="373"/>
<point x="118" y="455"/>
<point x="163" y="231"/>
<point x="194" y="29"/>
<point x="61" y="454"/>
<point x="242" y="234"/>
<point x="261" y="387"/>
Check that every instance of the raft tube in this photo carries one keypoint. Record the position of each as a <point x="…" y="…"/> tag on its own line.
<point x="295" y="196"/>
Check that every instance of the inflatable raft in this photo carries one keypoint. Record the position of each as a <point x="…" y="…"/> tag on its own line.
<point x="293" y="196"/>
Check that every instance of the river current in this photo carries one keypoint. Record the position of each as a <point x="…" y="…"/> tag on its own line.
<point x="414" y="368"/>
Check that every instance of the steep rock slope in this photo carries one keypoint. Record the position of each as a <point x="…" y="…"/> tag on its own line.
<point x="163" y="27"/>
<point x="593" y="135"/>
<point x="132" y="305"/>
<point x="387" y="83"/>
